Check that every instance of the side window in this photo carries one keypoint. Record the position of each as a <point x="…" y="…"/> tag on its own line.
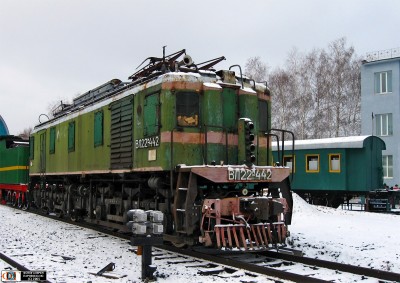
<point x="187" y="109"/>
<point x="52" y="148"/>
<point x="312" y="163"/>
<point x="384" y="124"/>
<point x="334" y="163"/>
<point x="290" y="161"/>
<point x="98" y="128"/>
<point x="387" y="163"/>
<point x="32" y="148"/>
<point x="151" y="114"/>
<point x="71" y="136"/>
<point x="383" y="82"/>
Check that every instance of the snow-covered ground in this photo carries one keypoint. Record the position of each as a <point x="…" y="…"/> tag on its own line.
<point x="360" y="238"/>
<point x="354" y="237"/>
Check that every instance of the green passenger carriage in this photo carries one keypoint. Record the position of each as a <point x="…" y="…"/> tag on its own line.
<point x="328" y="171"/>
<point x="182" y="138"/>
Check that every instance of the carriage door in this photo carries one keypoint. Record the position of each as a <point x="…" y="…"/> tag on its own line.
<point x="43" y="152"/>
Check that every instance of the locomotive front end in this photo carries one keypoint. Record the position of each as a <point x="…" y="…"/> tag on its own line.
<point x="244" y="207"/>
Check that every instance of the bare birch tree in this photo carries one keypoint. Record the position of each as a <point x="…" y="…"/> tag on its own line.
<point x="316" y="94"/>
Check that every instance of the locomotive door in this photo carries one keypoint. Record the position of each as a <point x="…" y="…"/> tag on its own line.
<point x="43" y="152"/>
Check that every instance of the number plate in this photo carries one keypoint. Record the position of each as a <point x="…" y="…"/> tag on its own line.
<point x="147" y="142"/>
<point x="244" y="174"/>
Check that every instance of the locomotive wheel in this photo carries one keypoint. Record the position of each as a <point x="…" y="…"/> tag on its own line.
<point x="73" y="216"/>
<point x="178" y="244"/>
<point x="14" y="200"/>
<point x="60" y="214"/>
<point x="25" y="205"/>
<point x="20" y="202"/>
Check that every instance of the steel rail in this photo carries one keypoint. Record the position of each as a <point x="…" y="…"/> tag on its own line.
<point x="380" y="274"/>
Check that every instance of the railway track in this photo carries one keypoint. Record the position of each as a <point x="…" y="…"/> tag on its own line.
<point x="269" y="263"/>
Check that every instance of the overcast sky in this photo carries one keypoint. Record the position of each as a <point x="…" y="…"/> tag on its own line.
<point x="52" y="50"/>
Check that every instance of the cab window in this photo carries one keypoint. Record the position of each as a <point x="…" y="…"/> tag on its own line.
<point x="187" y="109"/>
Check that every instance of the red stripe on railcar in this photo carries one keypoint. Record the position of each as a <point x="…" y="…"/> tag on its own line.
<point x="20" y="187"/>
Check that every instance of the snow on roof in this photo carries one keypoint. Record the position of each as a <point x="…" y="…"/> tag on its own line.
<point x="341" y="142"/>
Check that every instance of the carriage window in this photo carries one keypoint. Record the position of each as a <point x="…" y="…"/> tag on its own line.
<point x="98" y="128"/>
<point x="71" y="136"/>
<point x="289" y="161"/>
<point x="334" y="163"/>
<point x="187" y="109"/>
<point x="312" y="165"/>
<point x="52" y="148"/>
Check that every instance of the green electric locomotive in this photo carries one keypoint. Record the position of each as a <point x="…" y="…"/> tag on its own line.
<point x="182" y="138"/>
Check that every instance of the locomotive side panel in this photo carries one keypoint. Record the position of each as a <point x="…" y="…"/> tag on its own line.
<point x="13" y="161"/>
<point x="71" y="147"/>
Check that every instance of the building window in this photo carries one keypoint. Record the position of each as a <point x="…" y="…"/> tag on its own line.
<point x="98" y="128"/>
<point x="52" y="148"/>
<point x="334" y="163"/>
<point x="312" y="163"/>
<point x="290" y="161"/>
<point x="387" y="164"/>
<point x="383" y="82"/>
<point x="187" y="109"/>
<point x="384" y="124"/>
<point x="71" y="136"/>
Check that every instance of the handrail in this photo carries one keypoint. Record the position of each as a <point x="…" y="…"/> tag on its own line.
<point x="283" y="132"/>
<point x="241" y="76"/>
